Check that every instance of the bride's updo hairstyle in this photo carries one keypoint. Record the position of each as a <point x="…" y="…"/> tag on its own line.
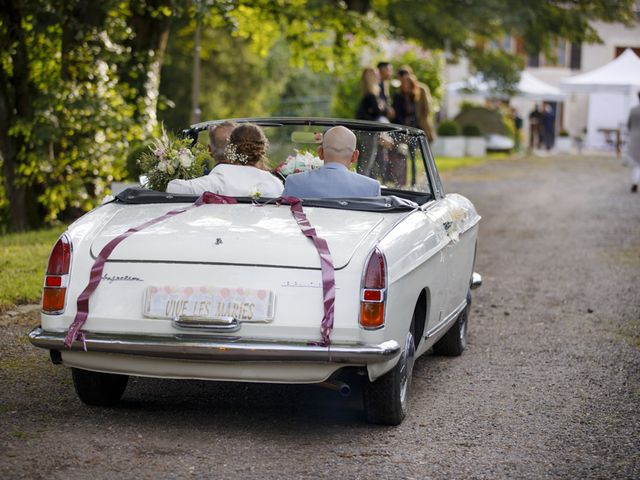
<point x="247" y="145"/>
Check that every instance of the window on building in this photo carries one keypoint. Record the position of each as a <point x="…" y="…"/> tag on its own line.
<point x="575" y="58"/>
<point x="620" y="50"/>
<point x="560" y="50"/>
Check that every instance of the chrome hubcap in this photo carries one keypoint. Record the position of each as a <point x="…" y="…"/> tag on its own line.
<point x="406" y="368"/>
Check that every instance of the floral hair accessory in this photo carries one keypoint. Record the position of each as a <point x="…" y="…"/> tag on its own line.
<point x="169" y="158"/>
<point x="232" y="154"/>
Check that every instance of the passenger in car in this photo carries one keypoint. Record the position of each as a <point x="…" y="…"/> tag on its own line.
<point x="334" y="179"/>
<point x="240" y="173"/>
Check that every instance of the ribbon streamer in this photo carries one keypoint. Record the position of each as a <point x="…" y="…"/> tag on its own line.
<point x="326" y="264"/>
<point x="95" y="276"/>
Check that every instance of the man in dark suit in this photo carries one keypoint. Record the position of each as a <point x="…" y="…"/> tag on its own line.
<point x="385" y="72"/>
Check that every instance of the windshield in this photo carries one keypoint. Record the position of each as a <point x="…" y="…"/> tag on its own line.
<point x="394" y="158"/>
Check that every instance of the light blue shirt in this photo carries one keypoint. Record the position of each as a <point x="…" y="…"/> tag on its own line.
<point x="333" y="180"/>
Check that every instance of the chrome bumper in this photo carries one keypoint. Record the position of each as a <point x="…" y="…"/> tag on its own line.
<point x="196" y="347"/>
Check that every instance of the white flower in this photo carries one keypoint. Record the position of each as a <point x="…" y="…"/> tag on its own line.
<point x="171" y="169"/>
<point x="255" y="192"/>
<point x="162" y="166"/>
<point x="185" y="158"/>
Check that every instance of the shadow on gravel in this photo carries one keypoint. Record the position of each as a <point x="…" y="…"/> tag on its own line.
<point x="207" y="403"/>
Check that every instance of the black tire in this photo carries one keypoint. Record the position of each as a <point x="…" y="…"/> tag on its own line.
<point x="98" y="389"/>
<point x="386" y="400"/>
<point x="455" y="340"/>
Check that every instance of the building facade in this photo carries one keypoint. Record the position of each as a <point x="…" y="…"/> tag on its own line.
<point x="570" y="59"/>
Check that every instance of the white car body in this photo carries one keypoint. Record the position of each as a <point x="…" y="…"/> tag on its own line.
<point x="429" y="251"/>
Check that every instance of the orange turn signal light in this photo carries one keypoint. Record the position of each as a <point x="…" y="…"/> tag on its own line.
<point x="372" y="314"/>
<point x="53" y="299"/>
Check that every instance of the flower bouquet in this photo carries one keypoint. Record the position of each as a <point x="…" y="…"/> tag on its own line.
<point x="300" y="162"/>
<point x="170" y="158"/>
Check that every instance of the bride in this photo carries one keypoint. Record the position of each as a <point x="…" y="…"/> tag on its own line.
<point x="241" y="174"/>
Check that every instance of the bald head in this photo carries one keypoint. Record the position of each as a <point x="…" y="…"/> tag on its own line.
<point x="339" y="145"/>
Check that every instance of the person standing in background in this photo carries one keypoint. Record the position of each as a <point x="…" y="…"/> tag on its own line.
<point x="535" y="118"/>
<point x="372" y="106"/>
<point x="424" y="101"/>
<point x="406" y="106"/>
<point x="633" y="145"/>
<point x="548" y="127"/>
<point x="372" y="159"/>
<point x="385" y="71"/>
<point x="517" y="126"/>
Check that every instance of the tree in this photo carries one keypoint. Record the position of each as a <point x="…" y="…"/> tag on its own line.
<point x="80" y="80"/>
<point x="465" y="27"/>
<point x="65" y="120"/>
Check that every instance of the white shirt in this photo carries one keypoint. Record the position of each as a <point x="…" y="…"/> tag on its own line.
<point x="231" y="180"/>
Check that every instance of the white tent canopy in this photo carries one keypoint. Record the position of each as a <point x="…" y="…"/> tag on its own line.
<point x="612" y="92"/>
<point x="620" y="75"/>
<point x="528" y="87"/>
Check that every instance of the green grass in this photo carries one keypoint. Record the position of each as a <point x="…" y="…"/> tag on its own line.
<point x="23" y="259"/>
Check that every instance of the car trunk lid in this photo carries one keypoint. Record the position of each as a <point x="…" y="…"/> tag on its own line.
<point x="241" y="234"/>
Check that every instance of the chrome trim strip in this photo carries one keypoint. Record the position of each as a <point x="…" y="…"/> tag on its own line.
<point x="383" y="294"/>
<point x="444" y="324"/>
<point x="207" y="348"/>
<point x="222" y="324"/>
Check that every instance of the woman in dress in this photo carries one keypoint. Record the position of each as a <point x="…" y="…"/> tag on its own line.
<point x="372" y="106"/>
<point x="405" y="105"/>
<point x="242" y="174"/>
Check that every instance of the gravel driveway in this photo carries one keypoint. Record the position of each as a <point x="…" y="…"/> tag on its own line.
<point x="549" y="386"/>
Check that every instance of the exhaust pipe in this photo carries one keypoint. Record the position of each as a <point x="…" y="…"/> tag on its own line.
<point x="340" y="387"/>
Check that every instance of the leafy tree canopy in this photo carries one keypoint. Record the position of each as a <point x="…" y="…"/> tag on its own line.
<point x="80" y="80"/>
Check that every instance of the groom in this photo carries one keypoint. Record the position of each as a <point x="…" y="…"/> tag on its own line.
<point x="334" y="179"/>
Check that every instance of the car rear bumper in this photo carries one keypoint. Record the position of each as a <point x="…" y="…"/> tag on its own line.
<point x="203" y="348"/>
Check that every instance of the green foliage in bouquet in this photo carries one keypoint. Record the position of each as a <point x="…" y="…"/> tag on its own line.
<point x="170" y="158"/>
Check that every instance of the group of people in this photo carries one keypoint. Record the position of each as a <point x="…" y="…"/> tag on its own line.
<point x="542" y="128"/>
<point x="410" y="105"/>
<point x="240" y="155"/>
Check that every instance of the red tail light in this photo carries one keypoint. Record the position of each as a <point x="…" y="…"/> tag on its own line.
<point x="56" y="278"/>
<point x="374" y="284"/>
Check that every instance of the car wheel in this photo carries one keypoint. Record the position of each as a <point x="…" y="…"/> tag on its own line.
<point x="98" y="389"/>
<point x="386" y="400"/>
<point x="455" y="340"/>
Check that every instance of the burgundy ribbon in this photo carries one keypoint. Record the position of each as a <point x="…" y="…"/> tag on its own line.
<point x="95" y="277"/>
<point x="326" y="265"/>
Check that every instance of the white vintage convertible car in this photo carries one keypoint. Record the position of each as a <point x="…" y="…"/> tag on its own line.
<point x="337" y="291"/>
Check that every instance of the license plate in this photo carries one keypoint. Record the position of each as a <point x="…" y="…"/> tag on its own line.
<point x="243" y="304"/>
